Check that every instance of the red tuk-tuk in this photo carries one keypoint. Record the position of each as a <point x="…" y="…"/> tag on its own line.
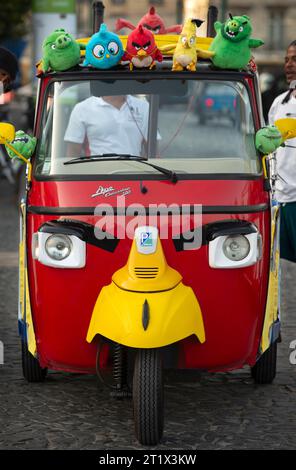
<point x="161" y="257"/>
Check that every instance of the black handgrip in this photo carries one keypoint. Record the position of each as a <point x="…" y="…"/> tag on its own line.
<point x="98" y="15"/>
<point x="212" y="17"/>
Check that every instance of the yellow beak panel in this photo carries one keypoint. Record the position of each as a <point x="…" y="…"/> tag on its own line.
<point x="172" y="316"/>
<point x="146" y="273"/>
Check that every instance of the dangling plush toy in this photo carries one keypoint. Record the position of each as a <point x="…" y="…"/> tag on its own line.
<point x="269" y="138"/>
<point x="60" y="52"/>
<point x="104" y="49"/>
<point x="185" y="53"/>
<point x="151" y="21"/>
<point x="24" y="144"/>
<point x="232" y="44"/>
<point x="141" y="49"/>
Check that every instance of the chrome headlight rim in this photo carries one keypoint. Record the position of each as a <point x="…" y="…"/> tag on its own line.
<point x="232" y="244"/>
<point x="62" y="238"/>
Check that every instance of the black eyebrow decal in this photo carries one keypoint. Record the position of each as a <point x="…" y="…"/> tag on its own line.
<point x="147" y="44"/>
<point x="135" y="44"/>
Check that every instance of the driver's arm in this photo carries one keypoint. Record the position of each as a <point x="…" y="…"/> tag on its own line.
<point x="73" y="150"/>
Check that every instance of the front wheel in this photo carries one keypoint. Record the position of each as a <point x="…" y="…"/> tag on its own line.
<point x="148" y="399"/>
<point x="264" y="371"/>
<point x="31" y="367"/>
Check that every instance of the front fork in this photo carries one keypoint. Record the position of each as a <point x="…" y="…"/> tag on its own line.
<point x="120" y="366"/>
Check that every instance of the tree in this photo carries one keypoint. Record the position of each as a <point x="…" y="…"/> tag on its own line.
<point x="13" y="19"/>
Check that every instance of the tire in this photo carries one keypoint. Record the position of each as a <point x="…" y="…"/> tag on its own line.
<point x="148" y="402"/>
<point x="31" y="368"/>
<point x="264" y="371"/>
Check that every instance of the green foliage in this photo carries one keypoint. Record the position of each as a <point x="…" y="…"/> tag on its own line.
<point x="13" y="17"/>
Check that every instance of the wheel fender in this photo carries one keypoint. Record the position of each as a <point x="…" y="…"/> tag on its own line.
<point x="146" y="320"/>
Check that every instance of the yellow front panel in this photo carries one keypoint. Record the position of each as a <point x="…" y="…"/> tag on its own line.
<point x="173" y="315"/>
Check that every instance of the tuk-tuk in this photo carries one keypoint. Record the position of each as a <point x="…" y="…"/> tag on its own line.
<point x="164" y="258"/>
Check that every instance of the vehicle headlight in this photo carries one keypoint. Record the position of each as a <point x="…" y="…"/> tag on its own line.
<point x="59" y="250"/>
<point x="235" y="250"/>
<point x="236" y="247"/>
<point x="58" y="247"/>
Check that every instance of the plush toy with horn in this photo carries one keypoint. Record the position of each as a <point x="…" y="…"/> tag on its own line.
<point x="23" y="143"/>
<point x="232" y="44"/>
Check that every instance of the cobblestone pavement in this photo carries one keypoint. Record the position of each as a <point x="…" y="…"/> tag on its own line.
<point x="70" y="411"/>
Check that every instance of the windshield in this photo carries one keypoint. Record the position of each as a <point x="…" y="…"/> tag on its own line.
<point x="187" y="126"/>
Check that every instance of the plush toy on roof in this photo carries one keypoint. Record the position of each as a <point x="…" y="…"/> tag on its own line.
<point x="104" y="49"/>
<point x="60" y="52"/>
<point x="151" y="21"/>
<point x="232" y="44"/>
<point x="185" y="53"/>
<point x="141" y="49"/>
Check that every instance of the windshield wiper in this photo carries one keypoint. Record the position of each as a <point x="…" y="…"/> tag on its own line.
<point x="115" y="156"/>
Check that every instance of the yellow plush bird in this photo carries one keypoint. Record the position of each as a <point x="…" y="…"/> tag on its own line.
<point x="185" y="52"/>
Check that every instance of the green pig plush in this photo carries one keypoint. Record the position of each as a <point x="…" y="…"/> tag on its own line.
<point x="24" y="144"/>
<point x="60" y="52"/>
<point x="268" y="139"/>
<point x="232" y="44"/>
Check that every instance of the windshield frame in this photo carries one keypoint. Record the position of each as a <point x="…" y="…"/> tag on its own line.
<point x="201" y="74"/>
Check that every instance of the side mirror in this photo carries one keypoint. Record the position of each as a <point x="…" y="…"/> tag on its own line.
<point x="7" y="132"/>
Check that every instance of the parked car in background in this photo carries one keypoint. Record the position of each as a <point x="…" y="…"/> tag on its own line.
<point x="217" y="103"/>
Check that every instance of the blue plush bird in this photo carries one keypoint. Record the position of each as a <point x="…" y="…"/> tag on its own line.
<point x="104" y="49"/>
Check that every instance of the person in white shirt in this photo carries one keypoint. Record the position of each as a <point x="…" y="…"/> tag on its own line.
<point x="109" y="124"/>
<point x="285" y="188"/>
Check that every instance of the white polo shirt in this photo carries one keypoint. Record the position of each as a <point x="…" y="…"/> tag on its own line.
<point x="285" y="156"/>
<point x="107" y="128"/>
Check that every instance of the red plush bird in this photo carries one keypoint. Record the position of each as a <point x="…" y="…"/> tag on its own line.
<point x="141" y="49"/>
<point x="151" y="21"/>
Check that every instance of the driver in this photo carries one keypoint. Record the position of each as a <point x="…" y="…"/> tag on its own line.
<point x="108" y="124"/>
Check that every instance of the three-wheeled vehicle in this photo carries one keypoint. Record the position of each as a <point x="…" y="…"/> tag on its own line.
<point x="164" y="258"/>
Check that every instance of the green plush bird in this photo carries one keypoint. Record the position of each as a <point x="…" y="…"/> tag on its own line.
<point x="232" y="44"/>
